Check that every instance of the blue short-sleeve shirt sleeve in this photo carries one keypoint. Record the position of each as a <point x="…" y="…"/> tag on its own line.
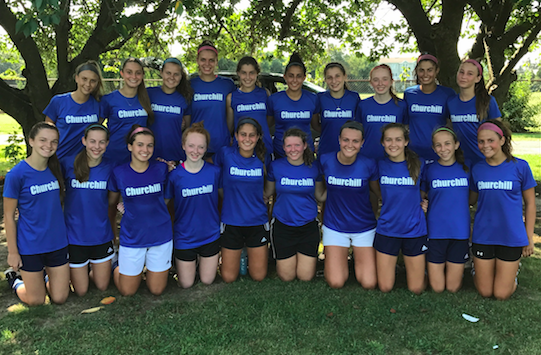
<point x="113" y="184"/>
<point x="270" y="173"/>
<point x="51" y="110"/>
<point x="12" y="186"/>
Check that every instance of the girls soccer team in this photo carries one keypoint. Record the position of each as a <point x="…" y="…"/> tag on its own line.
<point x="366" y="153"/>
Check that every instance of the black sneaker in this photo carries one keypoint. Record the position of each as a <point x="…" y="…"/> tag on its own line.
<point x="11" y="277"/>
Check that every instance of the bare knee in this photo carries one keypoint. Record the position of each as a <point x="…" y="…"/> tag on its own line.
<point x="485" y="292"/>
<point x="102" y="286"/>
<point x="438" y="288"/>
<point x="59" y="299"/>
<point x="81" y="292"/>
<point x="156" y="291"/>
<point x="286" y="278"/>
<point x="35" y="301"/>
<point x="229" y="278"/>
<point x="368" y="284"/>
<point x="385" y="288"/>
<point x="416" y="289"/>
<point x="127" y="293"/>
<point x="208" y="280"/>
<point x="305" y="277"/>
<point x="502" y="295"/>
<point x="453" y="288"/>
<point x="258" y="277"/>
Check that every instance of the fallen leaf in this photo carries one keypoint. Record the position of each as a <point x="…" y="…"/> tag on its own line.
<point x="393" y="310"/>
<point x="355" y="306"/>
<point x="91" y="310"/>
<point x="108" y="300"/>
<point x="330" y="314"/>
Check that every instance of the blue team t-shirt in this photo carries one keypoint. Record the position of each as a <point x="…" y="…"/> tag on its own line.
<point x="289" y="113"/>
<point x="466" y="123"/>
<point x="41" y="227"/>
<point x="448" y="215"/>
<point x="252" y="104"/>
<point x="146" y="221"/>
<point x="242" y="182"/>
<point x="71" y="119"/>
<point x="334" y="113"/>
<point x="121" y="113"/>
<point x="169" y="109"/>
<point x="209" y="105"/>
<point x="374" y="116"/>
<point x="498" y="219"/>
<point x="401" y="213"/>
<point x="348" y="208"/>
<point x="426" y="112"/>
<point x="86" y="205"/>
<point x="296" y="204"/>
<point x="196" y="206"/>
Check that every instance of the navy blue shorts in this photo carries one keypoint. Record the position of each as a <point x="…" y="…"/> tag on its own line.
<point x="287" y="241"/>
<point x="236" y="237"/>
<point x="205" y="251"/>
<point x="502" y="252"/>
<point x="393" y="245"/>
<point x="452" y="250"/>
<point x="36" y="262"/>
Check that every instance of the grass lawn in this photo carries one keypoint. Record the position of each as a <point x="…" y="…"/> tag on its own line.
<point x="274" y="317"/>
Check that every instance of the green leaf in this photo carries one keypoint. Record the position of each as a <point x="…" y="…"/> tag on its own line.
<point x="26" y="30"/>
<point x="33" y="24"/>
<point x="39" y="4"/>
<point x="55" y="18"/>
<point x="19" y="25"/>
<point x="54" y="3"/>
<point x="179" y="8"/>
<point x="46" y="19"/>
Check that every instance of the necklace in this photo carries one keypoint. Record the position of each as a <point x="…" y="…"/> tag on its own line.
<point x="339" y="102"/>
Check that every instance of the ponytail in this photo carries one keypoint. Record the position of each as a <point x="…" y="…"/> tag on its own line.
<point x="81" y="169"/>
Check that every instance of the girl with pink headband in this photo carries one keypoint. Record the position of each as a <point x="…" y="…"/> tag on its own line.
<point x="209" y="99"/>
<point x="500" y="236"/>
<point x="471" y="107"/>
<point x="146" y="233"/>
<point x="427" y="106"/>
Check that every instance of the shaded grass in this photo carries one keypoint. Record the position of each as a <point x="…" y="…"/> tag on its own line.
<point x="274" y="317"/>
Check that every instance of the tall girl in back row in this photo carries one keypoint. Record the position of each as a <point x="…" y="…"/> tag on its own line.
<point x="90" y="233"/>
<point x="427" y="106"/>
<point x="402" y="223"/>
<point x="471" y="107"/>
<point x="337" y="105"/>
<point x="74" y="111"/>
<point x="169" y="103"/>
<point x="125" y="107"/>
<point x="377" y="111"/>
<point x="293" y="107"/>
<point x="500" y="234"/>
<point x="209" y="100"/>
<point x="249" y="100"/>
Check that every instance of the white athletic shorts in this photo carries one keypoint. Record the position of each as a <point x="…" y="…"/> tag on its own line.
<point x="340" y="239"/>
<point x="131" y="261"/>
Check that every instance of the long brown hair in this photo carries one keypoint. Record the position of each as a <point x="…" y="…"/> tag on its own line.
<point x="52" y="163"/>
<point x="412" y="159"/>
<point x="482" y="97"/>
<point x="507" y="147"/>
<point x="260" y="150"/>
<point x="391" y="90"/>
<point x="94" y="67"/>
<point x="142" y="94"/>
<point x="80" y="164"/>
<point x="307" y="155"/>
<point x="459" y="153"/>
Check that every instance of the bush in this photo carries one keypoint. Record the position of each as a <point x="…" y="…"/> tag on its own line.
<point x="517" y="110"/>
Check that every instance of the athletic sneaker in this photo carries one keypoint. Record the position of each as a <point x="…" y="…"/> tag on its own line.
<point x="11" y="277"/>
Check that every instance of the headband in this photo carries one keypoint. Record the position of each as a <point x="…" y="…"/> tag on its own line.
<point x="171" y="60"/>
<point x="207" y="48"/>
<point x="476" y="63"/>
<point x="353" y="125"/>
<point x="139" y="130"/>
<point x="96" y="125"/>
<point x="427" y="57"/>
<point x="445" y="129"/>
<point x="90" y="67"/>
<point x="250" y="120"/>
<point x="491" y="127"/>
<point x="299" y="64"/>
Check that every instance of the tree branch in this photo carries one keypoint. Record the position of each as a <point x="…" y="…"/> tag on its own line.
<point x="522" y="50"/>
<point x="286" y="21"/>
